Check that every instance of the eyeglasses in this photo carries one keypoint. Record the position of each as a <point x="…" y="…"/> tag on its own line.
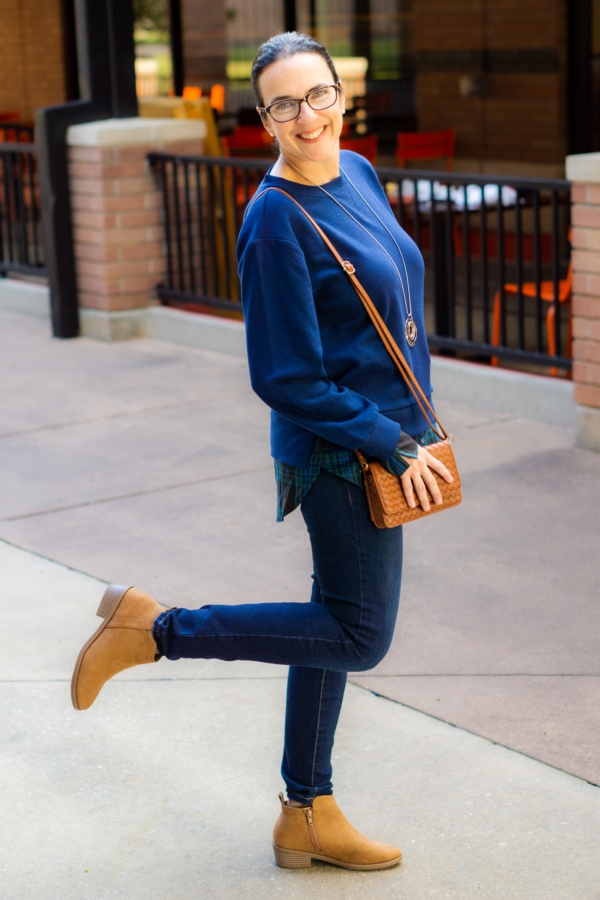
<point x="286" y="110"/>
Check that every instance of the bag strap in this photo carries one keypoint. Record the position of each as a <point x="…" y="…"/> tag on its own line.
<point x="382" y="329"/>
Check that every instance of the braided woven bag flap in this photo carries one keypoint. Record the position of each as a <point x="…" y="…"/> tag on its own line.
<point x="387" y="502"/>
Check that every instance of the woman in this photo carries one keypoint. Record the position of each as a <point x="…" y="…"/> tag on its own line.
<point x="317" y="361"/>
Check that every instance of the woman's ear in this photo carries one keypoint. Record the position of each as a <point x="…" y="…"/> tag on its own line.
<point x="342" y="97"/>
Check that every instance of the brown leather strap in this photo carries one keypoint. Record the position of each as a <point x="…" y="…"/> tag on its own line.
<point x="382" y="329"/>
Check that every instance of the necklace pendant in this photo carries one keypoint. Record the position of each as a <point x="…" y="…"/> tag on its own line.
<point x="410" y="330"/>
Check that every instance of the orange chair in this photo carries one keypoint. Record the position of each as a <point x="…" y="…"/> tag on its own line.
<point x="366" y="146"/>
<point x="529" y="289"/>
<point x="217" y="98"/>
<point x="416" y="145"/>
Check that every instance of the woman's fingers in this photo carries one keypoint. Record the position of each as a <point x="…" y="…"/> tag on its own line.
<point x="415" y="481"/>
<point x="407" y="487"/>
<point x="421" y="492"/>
<point x="436" y="464"/>
<point x="413" y="484"/>
<point x="419" y="480"/>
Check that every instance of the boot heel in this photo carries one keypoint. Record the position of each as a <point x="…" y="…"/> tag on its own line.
<point x="111" y="598"/>
<point x="292" y="859"/>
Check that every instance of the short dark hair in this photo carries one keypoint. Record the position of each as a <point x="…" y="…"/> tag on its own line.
<point x="278" y="47"/>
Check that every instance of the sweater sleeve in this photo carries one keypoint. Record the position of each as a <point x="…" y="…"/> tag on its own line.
<point x="285" y="353"/>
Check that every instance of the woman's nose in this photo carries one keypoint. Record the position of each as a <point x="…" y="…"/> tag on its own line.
<point x="307" y="113"/>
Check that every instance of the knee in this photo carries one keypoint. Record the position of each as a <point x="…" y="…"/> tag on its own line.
<point x="370" y="654"/>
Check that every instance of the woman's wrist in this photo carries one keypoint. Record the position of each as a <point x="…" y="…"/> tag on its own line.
<point x="406" y="449"/>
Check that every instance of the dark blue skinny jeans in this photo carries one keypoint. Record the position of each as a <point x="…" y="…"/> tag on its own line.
<point x="346" y="627"/>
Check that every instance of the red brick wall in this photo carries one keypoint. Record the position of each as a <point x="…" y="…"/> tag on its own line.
<point x="31" y="56"/>
<point x="523" y="115"/>
<point x="117" y="223"/>
<point x="204" y="41"/>
<point x="585" y="242"/>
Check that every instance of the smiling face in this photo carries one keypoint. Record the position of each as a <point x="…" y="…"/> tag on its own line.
<point x="310" y="143"/>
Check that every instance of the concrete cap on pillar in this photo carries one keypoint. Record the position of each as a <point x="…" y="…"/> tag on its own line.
<point x="583" y="167"/>
<point x="128" y="132"/>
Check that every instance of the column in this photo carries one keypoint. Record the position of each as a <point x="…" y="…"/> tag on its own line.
<point x="117" y="212"/>
<point x="583" y="170"/>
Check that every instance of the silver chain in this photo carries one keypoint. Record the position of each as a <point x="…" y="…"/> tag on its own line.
<point x="407" y="306"/>
<point x="410" y="327"/>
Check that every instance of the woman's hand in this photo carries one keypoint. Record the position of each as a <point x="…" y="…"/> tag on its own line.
<point x="419" y="480"/>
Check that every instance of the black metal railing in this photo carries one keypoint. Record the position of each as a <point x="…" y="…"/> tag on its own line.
<point x="204" y="199"/>
<point x="496" y="250"/>
<point x="497" y="262"/>
<point x="21" y="248"/>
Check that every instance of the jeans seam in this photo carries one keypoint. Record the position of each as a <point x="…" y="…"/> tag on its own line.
<point x="250" y="634"/>
<point x="314" y="762"/>
<point x="359" y="560"/>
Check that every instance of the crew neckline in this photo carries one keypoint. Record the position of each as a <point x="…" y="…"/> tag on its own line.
<point x="335" y="186"/>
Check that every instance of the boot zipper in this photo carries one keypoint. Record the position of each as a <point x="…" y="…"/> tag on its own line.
<point x="311" y="828"/>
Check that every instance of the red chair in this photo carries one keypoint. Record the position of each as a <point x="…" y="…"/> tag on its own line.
<point x="16" y="134"/>
<point x="247" y="140"/>
<point x="9" y="133"/>
<point x="366" y="146"/>
<point x="547" y="294"/>
<point x="417" y="145"/>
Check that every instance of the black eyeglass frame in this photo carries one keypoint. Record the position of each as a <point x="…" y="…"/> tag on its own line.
<point x="300" y="100"/>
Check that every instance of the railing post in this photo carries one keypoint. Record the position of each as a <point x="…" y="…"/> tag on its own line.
<point x="584" y="172"/>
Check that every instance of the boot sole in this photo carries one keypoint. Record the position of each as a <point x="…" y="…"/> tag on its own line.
<point x="109" y="604"/>
<point x="300" y="859"/>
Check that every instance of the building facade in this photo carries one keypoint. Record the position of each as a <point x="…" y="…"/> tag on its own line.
<point x="519" y="80"/>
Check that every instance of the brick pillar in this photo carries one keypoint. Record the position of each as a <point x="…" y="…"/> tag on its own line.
<point x="583" y="171"/>
<point x="117" y="217"/>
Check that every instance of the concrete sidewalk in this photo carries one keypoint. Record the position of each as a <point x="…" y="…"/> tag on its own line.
<point x="148" y="463"/>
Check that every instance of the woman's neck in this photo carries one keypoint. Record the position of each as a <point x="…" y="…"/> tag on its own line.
<point x="306" y="173"/>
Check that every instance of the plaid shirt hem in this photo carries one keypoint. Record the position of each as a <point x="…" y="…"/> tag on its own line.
<point x="293" y="483"/>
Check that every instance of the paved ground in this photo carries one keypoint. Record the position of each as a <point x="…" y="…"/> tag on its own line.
<point x="148" y="463"/>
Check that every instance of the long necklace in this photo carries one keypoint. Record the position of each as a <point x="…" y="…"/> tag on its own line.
<point x="410" y="326"/>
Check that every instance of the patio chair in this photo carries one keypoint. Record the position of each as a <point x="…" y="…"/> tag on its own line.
<point x="547" y="294"/>
<point x="417" y="145"/>
<point x="366" y="146"/>
<point x="412" y="146"/>
<point x="247" y="140"/>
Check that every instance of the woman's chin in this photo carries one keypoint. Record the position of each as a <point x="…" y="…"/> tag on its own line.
<point x="320" y="151"/>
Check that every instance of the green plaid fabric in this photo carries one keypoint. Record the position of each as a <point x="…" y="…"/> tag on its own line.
<point x="293" y="483"/>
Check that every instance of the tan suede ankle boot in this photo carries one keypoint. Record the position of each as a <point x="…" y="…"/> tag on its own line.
<point x="123" y="640"/>
<point x="321" y="831"/>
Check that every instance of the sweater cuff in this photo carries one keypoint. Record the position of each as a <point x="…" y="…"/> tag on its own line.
<point x="406" y="450"/>
<point x="383" y="440"/>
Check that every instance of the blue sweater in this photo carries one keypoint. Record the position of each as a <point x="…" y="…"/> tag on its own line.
<point x="314" y="355"/>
